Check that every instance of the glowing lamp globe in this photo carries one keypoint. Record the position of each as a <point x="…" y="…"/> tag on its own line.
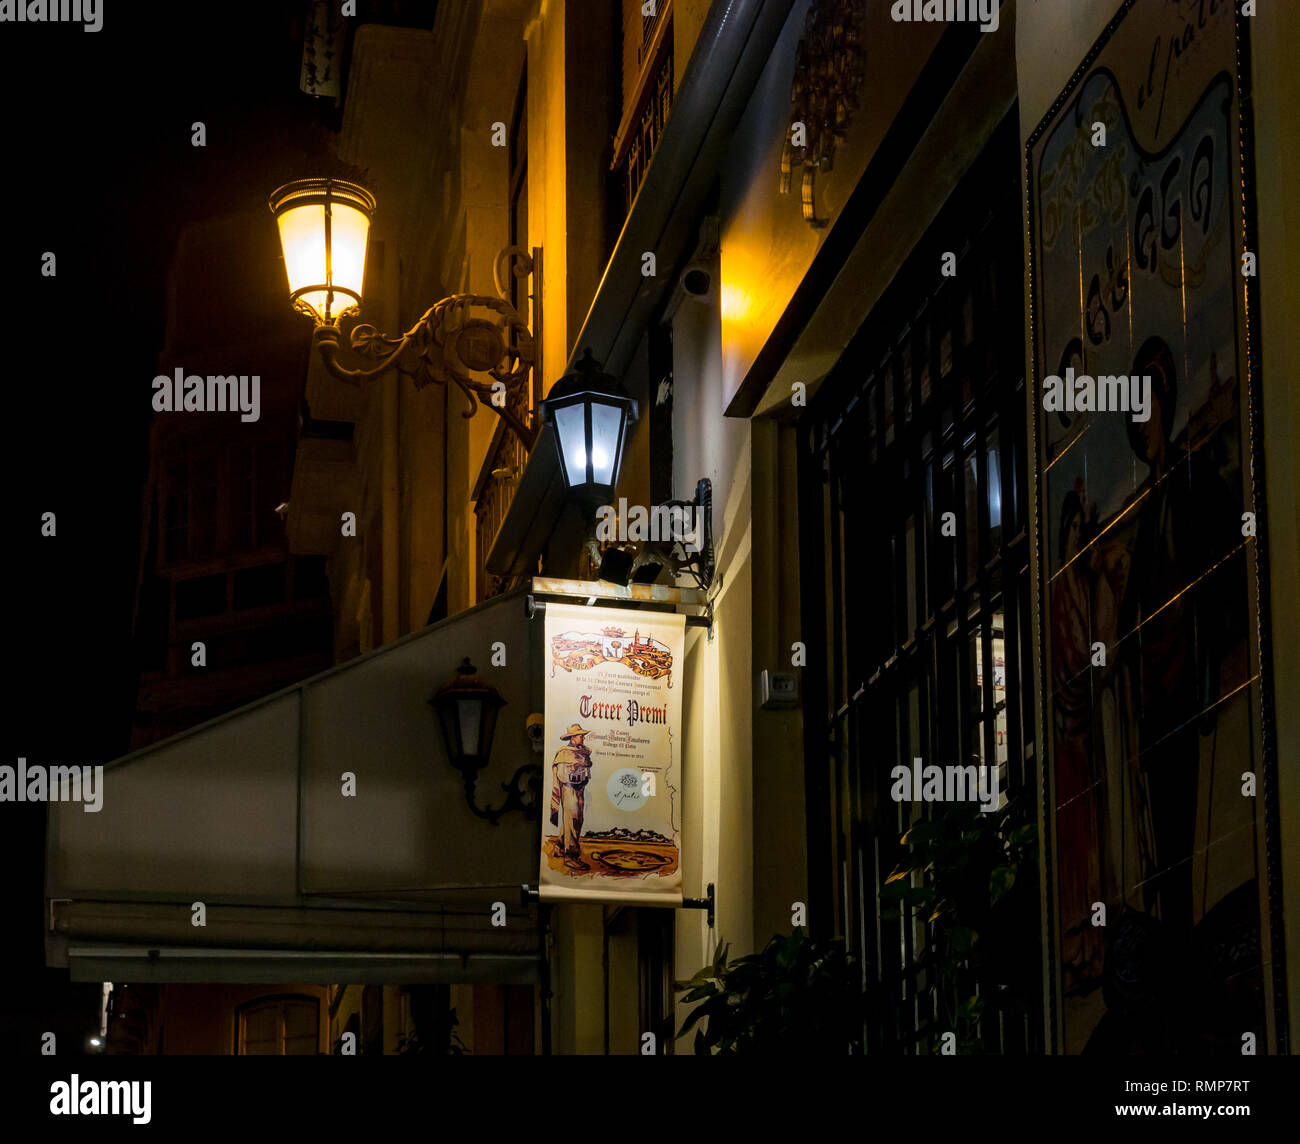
<point x="324" y="227"/>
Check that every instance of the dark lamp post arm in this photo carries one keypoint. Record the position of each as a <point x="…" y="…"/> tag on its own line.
<point x="523" y="793"/>
<point x="326" y="340"/>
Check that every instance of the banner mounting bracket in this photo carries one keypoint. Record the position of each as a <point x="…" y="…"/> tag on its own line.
<point x="708" y="902"/>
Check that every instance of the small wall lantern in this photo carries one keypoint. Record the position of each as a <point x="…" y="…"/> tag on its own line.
<point x="467" y="708"/>
<point x="590" y="413"/>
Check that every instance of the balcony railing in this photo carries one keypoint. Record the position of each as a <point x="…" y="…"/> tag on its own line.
<point x="507" y="456"/>
<point x="647" y="113"/>
<point x="649" y="27"/>
<point x="499" y="482"/>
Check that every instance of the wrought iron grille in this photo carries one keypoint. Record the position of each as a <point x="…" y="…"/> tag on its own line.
<point x="508" y="460"/>
<point x="927" y="637"/>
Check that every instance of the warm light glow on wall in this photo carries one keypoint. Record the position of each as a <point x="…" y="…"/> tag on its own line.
<point x="736" y="303"/>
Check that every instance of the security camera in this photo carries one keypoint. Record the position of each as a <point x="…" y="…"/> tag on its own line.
<point x="536" y="725"/>
<point x="697" y="282"/>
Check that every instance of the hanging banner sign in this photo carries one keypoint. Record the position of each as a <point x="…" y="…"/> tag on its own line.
<point x="611" y="821"/>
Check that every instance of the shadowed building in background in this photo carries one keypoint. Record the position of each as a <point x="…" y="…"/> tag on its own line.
<point x="224" y="613"/>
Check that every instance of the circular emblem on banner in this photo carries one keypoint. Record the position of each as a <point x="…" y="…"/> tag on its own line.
<point x="624" y="789"/>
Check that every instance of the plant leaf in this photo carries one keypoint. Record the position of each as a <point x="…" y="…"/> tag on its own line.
<point x="1000" y="881"/>
<point x="692" y="1018"/>
<point x="701" y="976"/>
<point x="962" y="938"/>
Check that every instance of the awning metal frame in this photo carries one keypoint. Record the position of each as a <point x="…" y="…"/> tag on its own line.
<point x="647" y="597"/>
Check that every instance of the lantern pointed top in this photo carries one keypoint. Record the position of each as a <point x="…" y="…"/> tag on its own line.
<point x="587" y="376"/>
<point x="464" y="683"/>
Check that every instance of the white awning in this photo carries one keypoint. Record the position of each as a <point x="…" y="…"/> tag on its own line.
<point x="246" y="814"/>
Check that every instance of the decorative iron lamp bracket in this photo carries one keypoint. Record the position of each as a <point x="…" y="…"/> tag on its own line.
<point x="523" y="793"/>
<point x="466" y="709"/>
<point x="450" y="344"/>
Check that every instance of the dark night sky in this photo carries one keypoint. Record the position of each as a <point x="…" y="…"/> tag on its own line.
<point x="101" y="171"/>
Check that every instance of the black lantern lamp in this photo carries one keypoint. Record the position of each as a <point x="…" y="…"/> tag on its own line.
<point x="590" y="414"/>
<point x="467" y="713"/>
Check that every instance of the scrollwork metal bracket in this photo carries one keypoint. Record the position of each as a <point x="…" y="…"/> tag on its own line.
<point x="479" y="344"/>
<point x="523" y="793"/>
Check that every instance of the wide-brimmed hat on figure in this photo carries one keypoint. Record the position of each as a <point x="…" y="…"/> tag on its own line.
<point x="574" y="729"/>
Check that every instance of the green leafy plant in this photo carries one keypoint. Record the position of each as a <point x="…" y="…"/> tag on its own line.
<point x="796" y="995"/>
<point x="971" y="877"/>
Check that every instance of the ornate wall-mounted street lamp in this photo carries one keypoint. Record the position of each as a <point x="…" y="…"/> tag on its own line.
<point x="324" y="227"/>
<point x="467" y="714"/>
<point x="591" y="414"/>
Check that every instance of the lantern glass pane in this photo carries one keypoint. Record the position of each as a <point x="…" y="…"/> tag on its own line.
<point x="468" y="712"/>
<point x="302" y="236"/>
<point x="450" y="730"/>
<point x="489" y="728"/>
<point x="606" y="424"/>
<point x="349" y="231"/>
<point x="570" y="428"/>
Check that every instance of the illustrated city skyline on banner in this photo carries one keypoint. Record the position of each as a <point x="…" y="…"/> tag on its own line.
<point x="581" y="651"/>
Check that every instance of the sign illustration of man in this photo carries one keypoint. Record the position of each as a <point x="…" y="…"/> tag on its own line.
<point x="572" y="767"/>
